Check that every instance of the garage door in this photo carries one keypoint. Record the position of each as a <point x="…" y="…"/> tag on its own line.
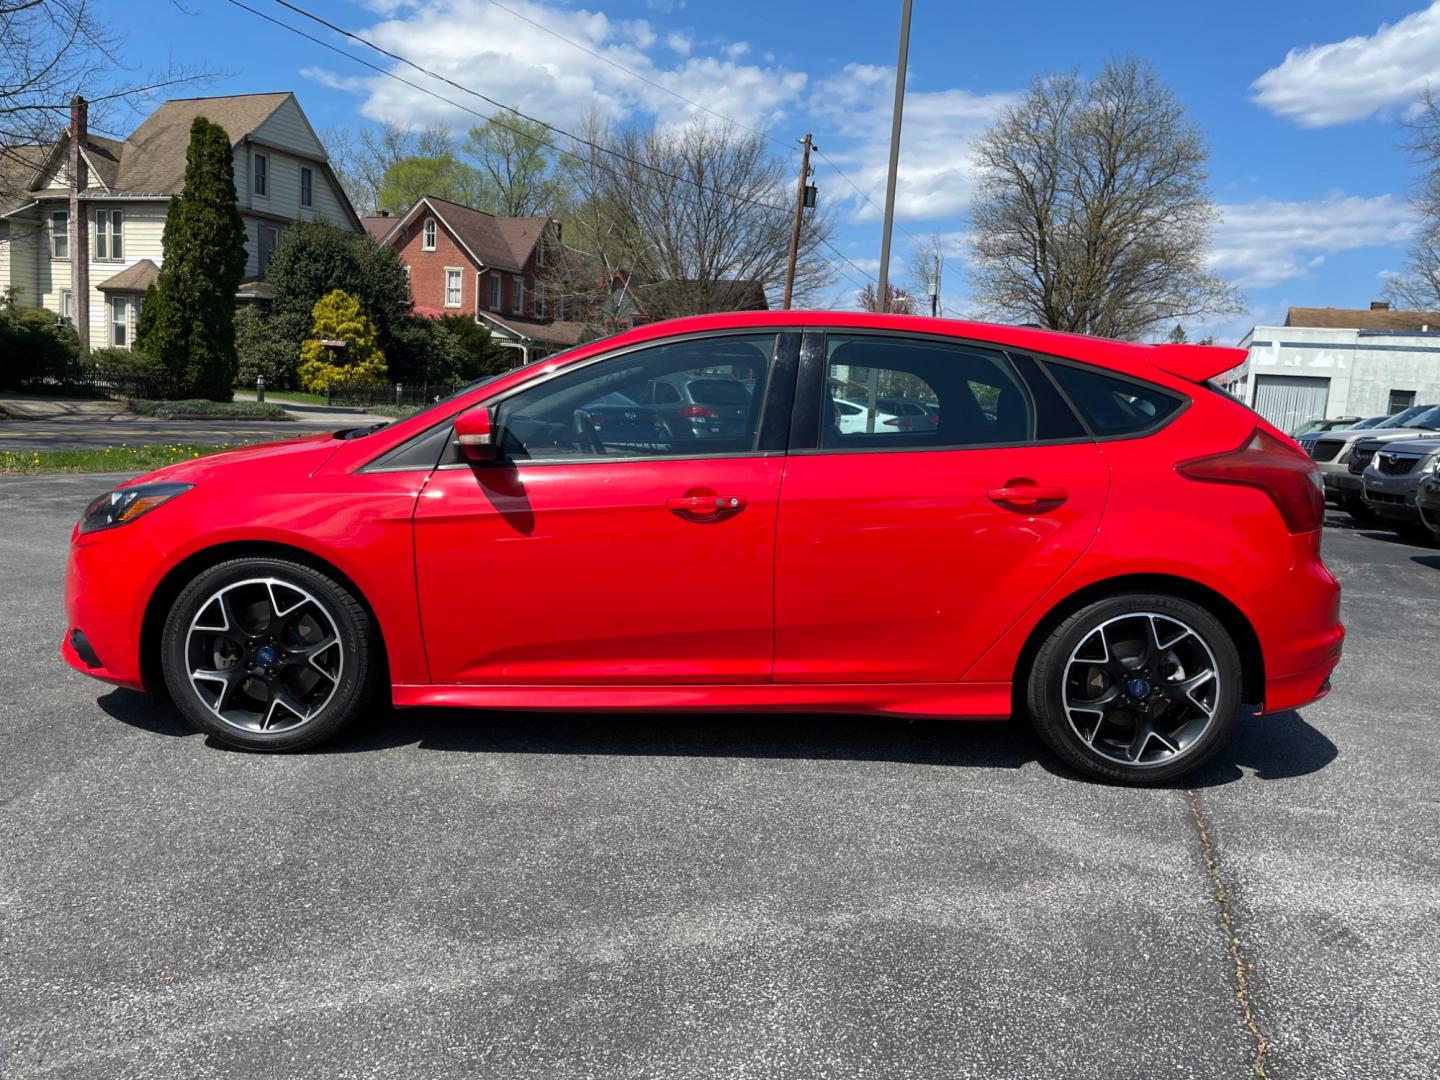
<point x="1287" y="401"/>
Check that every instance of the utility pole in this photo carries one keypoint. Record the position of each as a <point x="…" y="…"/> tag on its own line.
<point x="78" y="239"/>
<point x="800" y="200"/>
<point x="883" y="293"/>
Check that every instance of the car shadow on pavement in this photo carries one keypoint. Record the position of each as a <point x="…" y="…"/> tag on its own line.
<point x="1432" y="561"/>
<point x="1269" y="748"/>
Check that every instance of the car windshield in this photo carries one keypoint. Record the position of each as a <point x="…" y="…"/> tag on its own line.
<point x="1402" y="419"/>
<point x="1367" y="423"/>
<point x="1428" y="420"/>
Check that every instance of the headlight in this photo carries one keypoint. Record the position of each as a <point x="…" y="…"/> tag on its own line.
<point x="124" y="505"/>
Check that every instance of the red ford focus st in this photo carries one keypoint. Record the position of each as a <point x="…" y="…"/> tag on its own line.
<point x="760" y="511"/>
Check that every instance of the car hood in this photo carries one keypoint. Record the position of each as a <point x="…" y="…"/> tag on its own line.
<point x="1378" y="434"/>
<point x="1420" y="444"/>
<point x="304" y="454"/>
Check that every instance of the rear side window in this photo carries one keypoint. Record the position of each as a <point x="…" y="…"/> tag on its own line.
<point x="1114" y="406"/>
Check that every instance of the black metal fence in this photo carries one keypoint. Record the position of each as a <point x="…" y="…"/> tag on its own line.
<point x="100" y="383"/>
<point x="367" y="394"/>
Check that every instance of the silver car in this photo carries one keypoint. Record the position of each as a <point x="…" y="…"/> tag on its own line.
<point x="1335" y="453"/>
<point x="1392" y="481"/>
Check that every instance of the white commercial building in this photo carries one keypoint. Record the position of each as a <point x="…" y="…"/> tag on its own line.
<point x="1332" y="362"/>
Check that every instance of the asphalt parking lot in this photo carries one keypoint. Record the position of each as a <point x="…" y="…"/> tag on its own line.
<point x="468" y="895"/>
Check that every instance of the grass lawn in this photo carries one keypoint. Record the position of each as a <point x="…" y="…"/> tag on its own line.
<point x="194" y="408"/>
<point x="121" y="458"/>
<point x="298" y="397"/>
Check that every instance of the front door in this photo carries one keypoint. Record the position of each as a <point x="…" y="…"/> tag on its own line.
<point x="904" y="551"/>
<point x="610" y="544"/>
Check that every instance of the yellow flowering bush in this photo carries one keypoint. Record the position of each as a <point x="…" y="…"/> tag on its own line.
<point x="338" y="316"/>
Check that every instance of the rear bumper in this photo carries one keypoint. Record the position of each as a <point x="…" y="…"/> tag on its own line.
<point x="1297" y="621"/>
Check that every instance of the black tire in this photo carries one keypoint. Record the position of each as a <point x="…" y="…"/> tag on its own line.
<point x="1357" y="509"/>
<point x="1046" y="688"/>
<point x="336" y="696"/>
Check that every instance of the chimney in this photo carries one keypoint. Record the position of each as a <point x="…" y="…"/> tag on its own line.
<point x="79" y="244"/>
<point x="1379" y="305"/>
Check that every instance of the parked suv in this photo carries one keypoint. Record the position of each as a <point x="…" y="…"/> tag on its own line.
<point x="1392" y="482"/>
<point x="1092" y="536"/>
<point x="1335" y="453"/>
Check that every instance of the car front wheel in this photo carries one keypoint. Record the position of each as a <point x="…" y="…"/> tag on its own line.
<point x="268" y="654"/>
<point x="1136" y="689"/>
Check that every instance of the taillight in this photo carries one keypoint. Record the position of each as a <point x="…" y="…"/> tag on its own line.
<point x="1277" y="467"/>
<point x="698" y="412"/>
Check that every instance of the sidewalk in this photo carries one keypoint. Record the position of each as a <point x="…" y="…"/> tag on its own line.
<point x="342" y="415"/>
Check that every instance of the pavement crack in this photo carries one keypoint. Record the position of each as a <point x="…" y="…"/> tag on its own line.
<point x="1242" y="964"/>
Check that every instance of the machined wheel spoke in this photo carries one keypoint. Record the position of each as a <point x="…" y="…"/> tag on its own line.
<point x="281" y="698"/>
<point x="1184" y="690"/>
<point x="228" y="679"/>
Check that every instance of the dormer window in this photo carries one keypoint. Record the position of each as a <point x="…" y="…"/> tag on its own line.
<point x="427" y="241"/>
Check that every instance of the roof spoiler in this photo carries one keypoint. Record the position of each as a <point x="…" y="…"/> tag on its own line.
<point x="1197" y="363"/>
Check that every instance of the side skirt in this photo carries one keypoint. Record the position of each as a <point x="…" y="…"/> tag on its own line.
<point x="971" y="701"/>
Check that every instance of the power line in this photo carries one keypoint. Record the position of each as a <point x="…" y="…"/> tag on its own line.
<point x="864" y="195"/>
<point x="636" y="75"/>
<point x="398" y="58"/>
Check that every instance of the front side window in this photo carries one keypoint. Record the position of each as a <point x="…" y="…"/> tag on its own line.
<point x="427" y="242"/>
<point x="641" y="404"/>
<point x="109" y="238"/>
<point x="120" y="322"/>
<point x="918" y="393"/>
<point x="452" y="287"/>
<point x="307" y="187"/>
<point x="262" y="175"/>
<point x="494" y="291"/>
<point x="1112" y="406"/>
<point x="60" y="234"/>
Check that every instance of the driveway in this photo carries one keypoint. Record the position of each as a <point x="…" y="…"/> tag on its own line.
<point x="444" y="894"/>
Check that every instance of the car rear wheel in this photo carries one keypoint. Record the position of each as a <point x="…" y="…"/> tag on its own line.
<point x="1136" y="689"/>
<point x="268" y="654"/>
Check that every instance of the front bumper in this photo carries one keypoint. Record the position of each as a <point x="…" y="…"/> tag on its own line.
<point x="1391" y="497"/>
<point x="107" y="582"/>
<point x="1342" y="484"/>
<point x="1427" y="502"/>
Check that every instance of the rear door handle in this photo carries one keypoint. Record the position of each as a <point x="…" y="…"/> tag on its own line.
<point x="1028" y="495"/>
<point x="706" y="506"/>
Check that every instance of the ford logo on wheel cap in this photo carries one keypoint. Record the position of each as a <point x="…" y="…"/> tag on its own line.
<point x="267" y="655"/>
<point x="1139" y="688"/>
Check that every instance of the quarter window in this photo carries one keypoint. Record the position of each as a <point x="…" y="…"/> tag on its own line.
<point x="60" y="234"/>
<point x="679" y="399"/>
<point x="891" y="392"/>
<point x="1112" y="406"/>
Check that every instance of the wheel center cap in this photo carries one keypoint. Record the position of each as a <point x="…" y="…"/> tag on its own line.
<point x="1139" y="688"/>
<point x="266" y="655"/>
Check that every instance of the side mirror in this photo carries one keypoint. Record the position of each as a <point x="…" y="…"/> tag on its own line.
<point x="477" y="434"/>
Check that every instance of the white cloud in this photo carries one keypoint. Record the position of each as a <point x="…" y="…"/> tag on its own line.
<point x="1320" y="85"/>
<point x="936" y="173"/>
<point x="484" y="47"/>
<point x="1261" y="243"/>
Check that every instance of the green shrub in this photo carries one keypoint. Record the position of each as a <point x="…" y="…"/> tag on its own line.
<point x="202" y="407"/>
<point x="115" y="360"/>
<point x="34" y="344"/>
<point x="263" y="350"/>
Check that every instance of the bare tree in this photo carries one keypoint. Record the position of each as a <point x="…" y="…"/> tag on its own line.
<point x="1419" y="288"/>
<point x="50" y="51"/>
<point x="1092" y="213"/>
<point x="927" y="264"/>
<point x="901" y="302"/>
<point x="361" y="159"/>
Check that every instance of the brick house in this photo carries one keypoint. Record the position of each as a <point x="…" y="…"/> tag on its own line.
<point x="463" y="261"/>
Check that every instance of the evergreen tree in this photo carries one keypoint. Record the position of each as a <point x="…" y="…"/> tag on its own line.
<point x="188" y="321"/>
<point x="339" y="317"/>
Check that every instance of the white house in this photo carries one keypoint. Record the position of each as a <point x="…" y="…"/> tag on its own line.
<point x="282" y="175"/>
<point x="1331" y="362"/>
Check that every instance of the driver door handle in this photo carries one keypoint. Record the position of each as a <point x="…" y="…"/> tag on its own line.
<point x="708" y="506"/>
<point x="1028" y="495"/>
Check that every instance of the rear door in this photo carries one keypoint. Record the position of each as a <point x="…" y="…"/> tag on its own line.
<point x="901" y="556"/>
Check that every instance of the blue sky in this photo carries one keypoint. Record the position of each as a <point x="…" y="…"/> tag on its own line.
<point x="1300" y="100"/>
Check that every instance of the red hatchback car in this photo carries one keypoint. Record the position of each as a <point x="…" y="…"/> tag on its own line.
<point x="1084" y="531"/>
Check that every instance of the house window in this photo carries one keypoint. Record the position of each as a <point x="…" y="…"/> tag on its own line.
<point x="539" y="300"/>
<point x="269" y="237"/>
<point x="120" y="322"/>
<point x="494" y="292"/>
<point x="427" y="243"/>
<point x="60" y="234"/>
<point x="452" y="287"/>
<point x="517" y="295"/>
<point x="109" y="225"/>
<point x="67" y="305"/>
<point x="307" y="187"/>
<point x="560" y="306"/>
<point x="262" y="175"/>
<point x="1400" y="400"/>
<point x="540" y="251"/>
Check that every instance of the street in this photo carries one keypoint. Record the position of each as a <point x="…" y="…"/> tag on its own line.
<point x="449" y="894"/>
